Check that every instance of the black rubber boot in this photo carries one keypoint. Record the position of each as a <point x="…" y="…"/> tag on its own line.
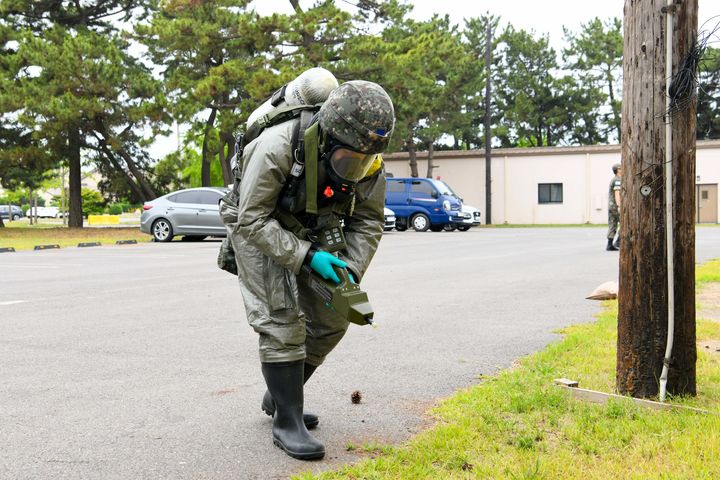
<point x="268" y="405"/>
<point x="285" y="383"/>
<point x="610" y="247"/>
<point x="617" y="243"/>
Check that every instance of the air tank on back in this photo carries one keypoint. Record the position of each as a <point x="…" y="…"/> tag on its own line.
<point x="309" y="88"/>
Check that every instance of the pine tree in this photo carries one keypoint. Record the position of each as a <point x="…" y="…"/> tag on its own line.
<point x="68" y="81"/>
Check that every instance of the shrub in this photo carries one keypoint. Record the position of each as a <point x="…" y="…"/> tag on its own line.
<point x="115" y="209"/>
<point x="93" y="202"/>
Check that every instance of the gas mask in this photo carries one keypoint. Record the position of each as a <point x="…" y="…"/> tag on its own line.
<point x="344" y="169"/>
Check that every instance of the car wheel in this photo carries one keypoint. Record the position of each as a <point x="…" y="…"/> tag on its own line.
<point x="464" y="228"/>
<point x="16" y="217"/>
<point x="420" y="222"/>
<point x="162" y="230"/>
<point x="401" y="224"/>
<point x="449" y="227"/>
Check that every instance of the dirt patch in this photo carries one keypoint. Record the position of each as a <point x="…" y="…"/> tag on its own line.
<point x="709" y="302"/>
<point x="710" y="346"/>
<point x="223" y="392"/>
<point x="422" y="409"/>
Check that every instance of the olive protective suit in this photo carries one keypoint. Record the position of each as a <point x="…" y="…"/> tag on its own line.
<point x="344" y="191"/>
<point x="293" y="323"/>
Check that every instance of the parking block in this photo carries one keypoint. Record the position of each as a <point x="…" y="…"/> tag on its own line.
<point x="46" y="247"/>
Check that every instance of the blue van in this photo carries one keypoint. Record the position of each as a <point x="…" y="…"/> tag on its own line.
<point x="422" y="203"/>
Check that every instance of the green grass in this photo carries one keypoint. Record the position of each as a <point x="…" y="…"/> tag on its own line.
<point x="25" y="237"/>
<point x="516" y="425"/>
<point x="707" y="273"/>
<point x="42" y="223"/>
<point x="567" y="225"/>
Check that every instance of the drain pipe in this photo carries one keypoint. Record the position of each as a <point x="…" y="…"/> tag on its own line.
<point x="669" y="230"/>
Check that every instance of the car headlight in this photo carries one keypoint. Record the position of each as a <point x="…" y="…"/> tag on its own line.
<point x="446" y="205"/>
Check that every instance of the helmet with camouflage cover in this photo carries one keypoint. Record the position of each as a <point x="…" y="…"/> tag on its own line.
<point x="360" y="115"/>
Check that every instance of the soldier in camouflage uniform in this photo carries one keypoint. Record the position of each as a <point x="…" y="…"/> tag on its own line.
<point x="614" y="209"/>
<point x="296" y="330"/>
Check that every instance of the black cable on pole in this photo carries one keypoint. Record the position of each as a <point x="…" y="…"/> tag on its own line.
<point x="684" y="83"/>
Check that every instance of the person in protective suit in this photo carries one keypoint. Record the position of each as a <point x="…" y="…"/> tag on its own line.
<point x="272" y="245"/>
<point x="614" y="201"/>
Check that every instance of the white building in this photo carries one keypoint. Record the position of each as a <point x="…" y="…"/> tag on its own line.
<point x="550" y="185"/>
<point x="89" y="179"/>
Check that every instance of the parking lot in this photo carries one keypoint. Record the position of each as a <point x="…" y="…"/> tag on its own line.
<point x="137" y="362"/>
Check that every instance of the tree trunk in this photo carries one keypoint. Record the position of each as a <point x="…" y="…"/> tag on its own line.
<point x="145" y="191"/>
<point x="206" y="157"/>
<point x="75" y="219"/>
<point x="63" y="196"/>
<point x="613" y="105"/>
<point x="116" y="164"/>
<point x="226" y="140"/>
<point x="431" y="155"/>
<point x="642" y="318"/>
<point x="412" y="153"/>
<point x="30" y="212"/>
<point x="135" y="170"/>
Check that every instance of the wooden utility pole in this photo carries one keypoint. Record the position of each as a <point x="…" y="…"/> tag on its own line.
<point x="643" y="306"/>
<point x="488" y="153"/>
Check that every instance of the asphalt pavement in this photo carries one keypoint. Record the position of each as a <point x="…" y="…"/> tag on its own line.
<point x="136" y="361"/>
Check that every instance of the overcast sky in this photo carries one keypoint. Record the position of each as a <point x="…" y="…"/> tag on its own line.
<point x="546" y="17"/>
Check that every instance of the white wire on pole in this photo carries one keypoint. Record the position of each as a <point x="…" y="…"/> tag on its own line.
<point x="669" y="230"/>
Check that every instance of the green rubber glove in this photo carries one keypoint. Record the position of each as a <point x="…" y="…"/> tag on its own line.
<point x="322" y="262"/>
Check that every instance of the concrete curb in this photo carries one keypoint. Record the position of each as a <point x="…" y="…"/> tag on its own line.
<point x="79" y="245"/>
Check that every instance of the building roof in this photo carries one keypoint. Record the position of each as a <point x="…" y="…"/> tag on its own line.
<point x="530" y="151"/>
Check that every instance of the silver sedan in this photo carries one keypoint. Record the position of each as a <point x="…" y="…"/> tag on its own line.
<point x="192" y="213"/>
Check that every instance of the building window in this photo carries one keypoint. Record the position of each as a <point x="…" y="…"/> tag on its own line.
<point x="550" y="193"/>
